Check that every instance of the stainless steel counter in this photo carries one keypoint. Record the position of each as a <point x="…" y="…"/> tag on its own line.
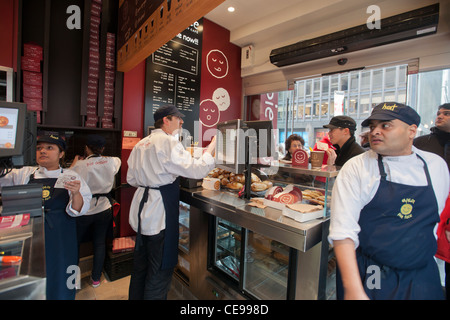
<point x="268" y="221"/>
<point x="29" y="283"/>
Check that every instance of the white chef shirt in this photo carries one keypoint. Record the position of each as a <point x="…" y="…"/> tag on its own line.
<point x="98" y="172"/>
<point x="359" y="178"/>
<point x="155" y="161"/>
<point x="22" y="176"/>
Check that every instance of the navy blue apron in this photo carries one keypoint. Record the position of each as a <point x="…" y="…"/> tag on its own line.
<point x="171" y="197"/>
<point x="61" y="249"/>
<point x="397" y="242"/>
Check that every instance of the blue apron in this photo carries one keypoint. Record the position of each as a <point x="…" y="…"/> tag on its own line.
<point x="397" y="243"/>
<point x="171" y="197"/>
<point x="61" y="249"/>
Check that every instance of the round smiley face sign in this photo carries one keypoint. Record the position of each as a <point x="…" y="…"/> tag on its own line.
<point x="217" y="63"/>
<point x="209" y="113"/>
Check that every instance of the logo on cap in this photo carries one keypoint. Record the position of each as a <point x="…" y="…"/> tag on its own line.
<point x="390" y="108"/>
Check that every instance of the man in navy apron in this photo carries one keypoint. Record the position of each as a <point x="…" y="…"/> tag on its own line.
<point x="385" y="207"/>
<point x="154" y="166"/>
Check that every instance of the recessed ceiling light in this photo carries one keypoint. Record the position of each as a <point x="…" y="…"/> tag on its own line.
<point x="231" y="9"/>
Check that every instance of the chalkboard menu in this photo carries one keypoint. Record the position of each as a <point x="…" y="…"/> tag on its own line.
<point x="173" y="76"/>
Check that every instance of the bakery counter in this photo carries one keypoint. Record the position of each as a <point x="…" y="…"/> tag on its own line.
<point x="253" y="252"/>
<point x="266" y="221"/>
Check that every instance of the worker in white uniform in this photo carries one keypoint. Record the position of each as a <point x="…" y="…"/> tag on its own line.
<point x="99" y="173"/>
<point x="385" y="207"/>
<point x="65" y="196"/>
<point x="154" y="165"/>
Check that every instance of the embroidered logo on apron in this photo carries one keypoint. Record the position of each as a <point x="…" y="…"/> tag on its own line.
<point x="406" y="209"/>
<point x="45" y="193"/>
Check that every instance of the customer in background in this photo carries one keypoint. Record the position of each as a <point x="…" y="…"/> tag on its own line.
<point x="385" y="205"/>
<point x="99" y="173"/>
<point x="292" y="143"/>
<point x="364" y="136"/>
<point x="438" y="142"/>
<point x="154" y="165"/>
<point x="342" y="136"/>
<point x="61" y="205"/>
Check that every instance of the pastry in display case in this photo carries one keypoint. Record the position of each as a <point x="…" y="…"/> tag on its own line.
<point x="227" y="255"/>
<point x="183" y="242"/>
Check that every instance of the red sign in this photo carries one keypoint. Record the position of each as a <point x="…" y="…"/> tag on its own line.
<point x="300" y="158"/>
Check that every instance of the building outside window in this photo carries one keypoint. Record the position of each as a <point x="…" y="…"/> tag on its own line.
<point x="310" y="105"/>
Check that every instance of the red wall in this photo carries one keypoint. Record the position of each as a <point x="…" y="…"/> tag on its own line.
<point x="215" y="40"/>
<point x="8" y="33"/>
<point x="221" y="82"/>
<point x="132" y="119"/>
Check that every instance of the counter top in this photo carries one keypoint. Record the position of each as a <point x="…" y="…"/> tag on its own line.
<point x="268" y="221"/>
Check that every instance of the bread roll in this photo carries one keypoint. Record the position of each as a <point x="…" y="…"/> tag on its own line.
<point x="259" y="186"/>
<point x="235" y="185"/>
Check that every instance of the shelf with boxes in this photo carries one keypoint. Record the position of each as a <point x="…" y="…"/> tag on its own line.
<point x="68" y="76"/>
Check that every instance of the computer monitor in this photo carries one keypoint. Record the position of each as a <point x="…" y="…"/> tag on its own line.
<point x="230" y="146"/>
<point x="12" y="128"/>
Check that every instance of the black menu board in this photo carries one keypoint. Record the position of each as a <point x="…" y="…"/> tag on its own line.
<point x="173" y="74"/>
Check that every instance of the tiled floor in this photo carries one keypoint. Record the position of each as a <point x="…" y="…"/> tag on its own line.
<point x="110" y="290"/>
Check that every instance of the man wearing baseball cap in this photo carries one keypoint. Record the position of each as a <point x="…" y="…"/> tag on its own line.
<point x="342" y="136"/>
<point x="385" y="205"/>
<point x="154" y="165"/>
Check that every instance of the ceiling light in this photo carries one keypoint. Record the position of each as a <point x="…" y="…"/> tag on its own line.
<point x="231" y="9"/>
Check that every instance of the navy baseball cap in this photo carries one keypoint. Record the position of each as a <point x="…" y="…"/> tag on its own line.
<point x="341" y="122"/>
<point x="53" y="138"/>
<point x="386" y="111"/>
<point x="167" y="110"/>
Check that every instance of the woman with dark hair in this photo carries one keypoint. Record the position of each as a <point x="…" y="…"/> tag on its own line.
<point x="98" y="171"/>
<point x="292" y="143"/>
<point x="61" y="205"/>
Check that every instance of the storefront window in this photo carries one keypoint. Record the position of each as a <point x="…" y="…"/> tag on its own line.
<point x="305" y="109"/>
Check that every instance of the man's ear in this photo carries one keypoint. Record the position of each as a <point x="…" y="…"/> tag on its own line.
<point x="412" y="131"/>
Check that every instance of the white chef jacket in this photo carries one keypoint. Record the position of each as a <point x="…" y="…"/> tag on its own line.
<point x="359" y="178"/>
<point x="22" y="176"/>
<point x="155" y="161"/>
<point x="98" y="172"/>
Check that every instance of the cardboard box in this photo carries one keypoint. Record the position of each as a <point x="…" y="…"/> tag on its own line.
<point x="302" y="217"/>
<point x="33" y="104"/>
<point x="31" y="64"/>
<point x="35" y="51"/>
<point x="30" y="91"/>
<point x="32" y="78"/>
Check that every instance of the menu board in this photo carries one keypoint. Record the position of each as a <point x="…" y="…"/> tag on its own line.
<point x="173" y="76"/>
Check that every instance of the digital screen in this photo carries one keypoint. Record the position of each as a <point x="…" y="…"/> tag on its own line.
<point x="8" y="127"/>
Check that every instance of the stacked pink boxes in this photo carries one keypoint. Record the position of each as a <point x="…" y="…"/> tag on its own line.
<point x="32" y="77"/>
<point x="108" y="109"/>
<point x="94" y="63"/>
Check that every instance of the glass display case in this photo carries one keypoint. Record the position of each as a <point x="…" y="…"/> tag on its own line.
<point x="266" y="267"/>
<point x="184" y="227"/>
<point x="227" y="251"/>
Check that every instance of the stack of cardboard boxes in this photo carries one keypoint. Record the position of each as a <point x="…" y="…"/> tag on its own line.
<point x="32" y="77"/>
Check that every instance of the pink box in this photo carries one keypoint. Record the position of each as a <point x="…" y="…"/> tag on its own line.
<point x="107" y="125"/>
<point x="91" y="124"/>
<point x="96" y="9"/>
<point x="93" y="71"/>
<point x="33" y="51"/>
<point x="32" y="78"/>
<point x="32" y="91"/>
<point x="31" y="64"/>
<point x="92" y="118"/>
<point x="95" y="19"/>
<point x="33" y="104"/>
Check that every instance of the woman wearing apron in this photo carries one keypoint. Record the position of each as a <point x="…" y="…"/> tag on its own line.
<point x="61" y="205"/>
<point x="384" y="211"/>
